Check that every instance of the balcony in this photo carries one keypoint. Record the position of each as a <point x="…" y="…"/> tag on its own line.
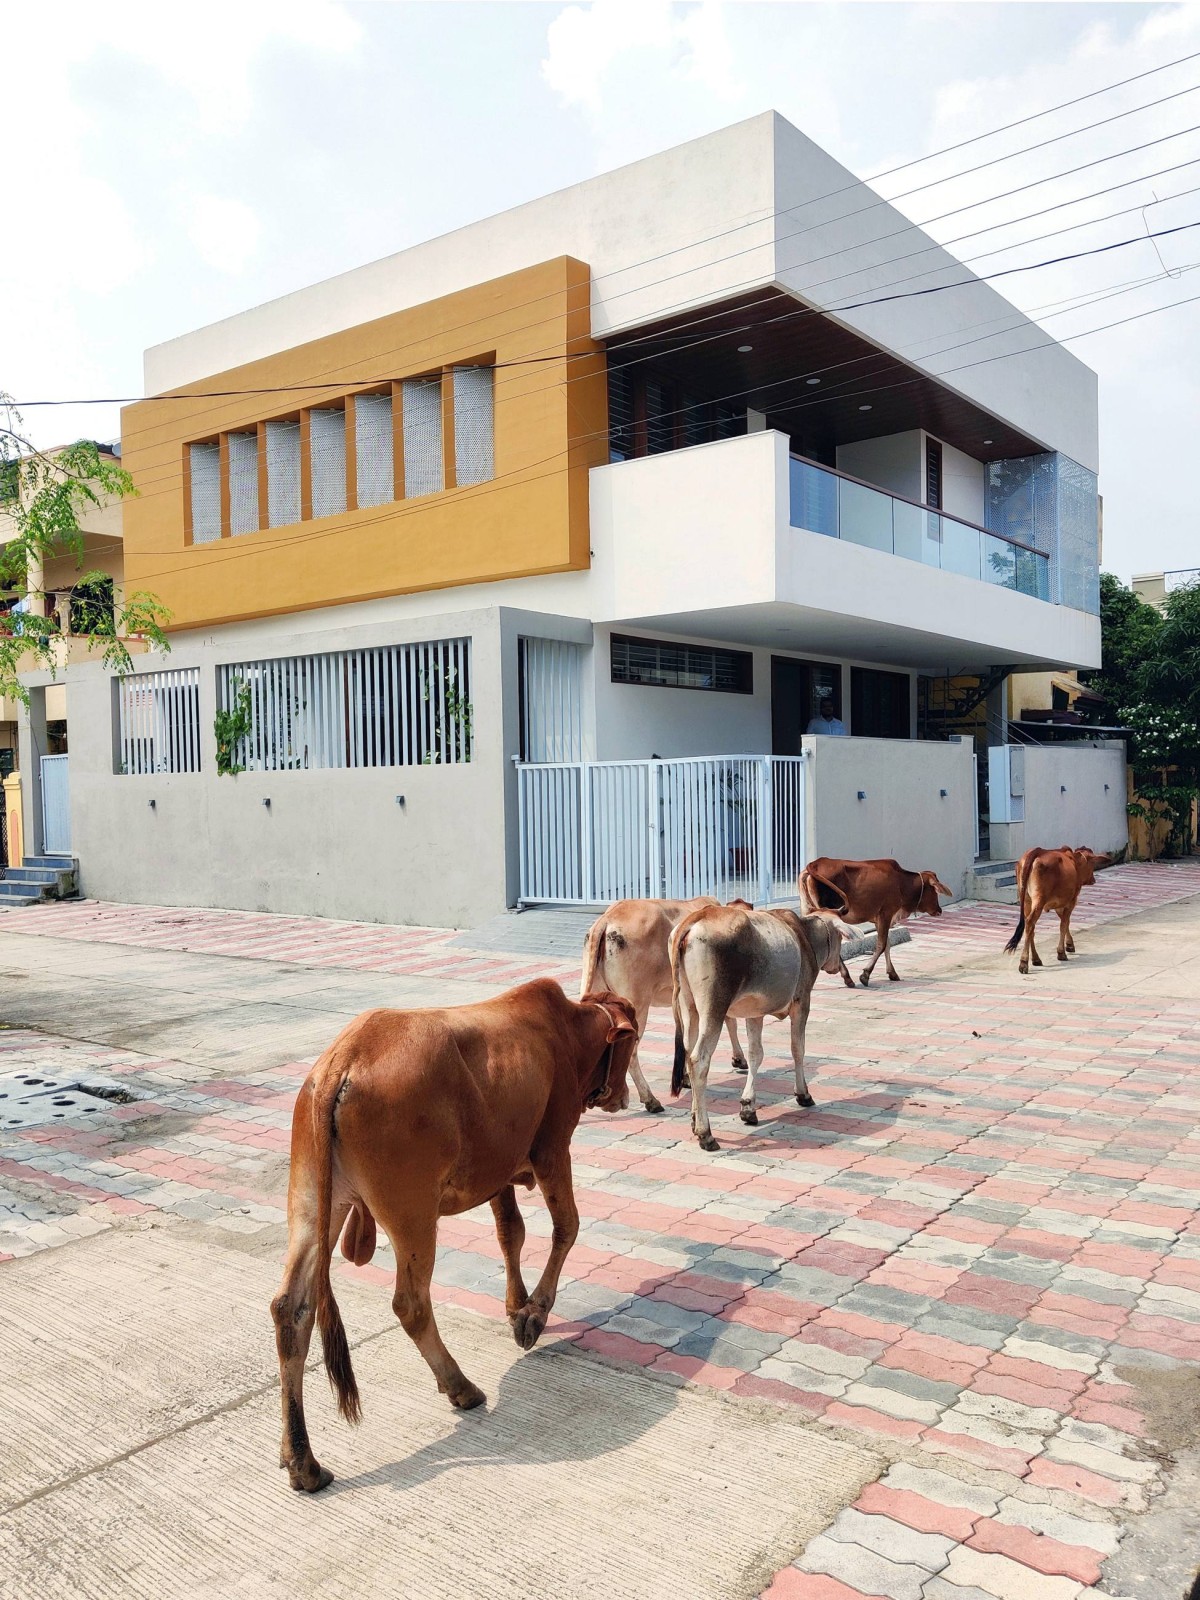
<point x="846" y="508"/>
<point x="737" y="540"/>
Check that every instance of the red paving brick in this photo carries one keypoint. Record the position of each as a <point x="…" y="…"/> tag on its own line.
<point x="1012" y="1110"/>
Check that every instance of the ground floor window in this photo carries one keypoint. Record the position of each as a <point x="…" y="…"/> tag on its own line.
<point x="665" y="664"/>
<point x="880" y="704"/>
<point x="399" y="705"/>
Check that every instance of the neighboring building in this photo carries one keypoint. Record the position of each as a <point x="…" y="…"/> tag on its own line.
<point x="1154" y="587"/>
<point x="644" y="469"/>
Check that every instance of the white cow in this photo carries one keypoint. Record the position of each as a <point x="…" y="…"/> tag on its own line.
<point x="727" y="962"/>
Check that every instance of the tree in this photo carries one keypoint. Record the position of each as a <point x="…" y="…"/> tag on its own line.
<point x="42" y="498"/>
<point x="1150" y="680"/>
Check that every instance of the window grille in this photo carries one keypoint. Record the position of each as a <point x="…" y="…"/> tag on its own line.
<point x="667" y="665"/>
<point x="621" y="440"/>
<point x="327" y="453"/>
<point x="474" y="447"/>
<point x="374" y="449"/>
<point x="283" y="474"/>
<point x="396" y="706"/>
<point x="205" y="465"/>
<point x="243" y="483"/>
<point x="551" y="674"/>
<point x="423" y="470"/>
<point x="159" y="721"/>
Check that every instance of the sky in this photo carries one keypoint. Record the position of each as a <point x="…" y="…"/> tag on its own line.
<point x="178" y="164"/>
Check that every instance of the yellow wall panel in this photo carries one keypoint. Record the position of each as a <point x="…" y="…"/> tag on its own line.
<point x="532" y="517"/>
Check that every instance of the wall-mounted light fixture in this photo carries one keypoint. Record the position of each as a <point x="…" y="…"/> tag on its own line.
<point x="943" y="793"/>
<point x="400" y="800"/>
<point x="862" y="794"/>
<point x="153" y="803"/>
<point x="1062" y="788"/>
<point x="1106" y="788"/>
<point x="267" y="801"/>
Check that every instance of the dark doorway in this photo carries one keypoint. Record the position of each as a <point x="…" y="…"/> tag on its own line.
<point x="797" y="689"/>
<point x="879" y="704"/>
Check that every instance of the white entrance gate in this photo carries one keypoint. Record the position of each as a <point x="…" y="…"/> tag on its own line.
<point x="596" y="831"/>
<point x="56" y="807"/>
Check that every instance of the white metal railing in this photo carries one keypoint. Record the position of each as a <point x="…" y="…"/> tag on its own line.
<point x="396" y="706"/>
<point x="596" y="831"/>
<point x="56" y="806"/>
<point x="159" y="714"/>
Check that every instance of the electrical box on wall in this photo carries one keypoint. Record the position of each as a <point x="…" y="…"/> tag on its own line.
<point x="1006" y="783"/>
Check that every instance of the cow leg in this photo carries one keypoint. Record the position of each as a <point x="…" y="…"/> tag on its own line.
<point x="893" y="975"/>
<point x="1064" y="934"/>
<point x="799" y="1020"/>
<point x="881" y="944"/>
<point x="554" y="1180"/>
<point x="699" y="1061"/>
<point x="739" y="1060"/>
<point x="749" y="1108"/>
<point x="645" y="1093"/>
<point x="510" y="1231"/>
<point x="294" y="1312"/>
<point x="1030" y="951"/>
<point x="415" y="1245"/>
<point x="1070" y="938"/>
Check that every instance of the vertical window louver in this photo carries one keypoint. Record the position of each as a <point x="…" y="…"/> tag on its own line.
<point x="620" y="414"/>
<point x="243" y="483"/>
<point x="423" y="471"/>
<point x="374" y="452"/>
<point x="474" y="448"/>
<point x="205" y="468"/>
<point x="283" y="473"/>
<point x="327" y="452"/>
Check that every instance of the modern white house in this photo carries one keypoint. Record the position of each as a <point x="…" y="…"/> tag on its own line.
<point x="516" y="565"/>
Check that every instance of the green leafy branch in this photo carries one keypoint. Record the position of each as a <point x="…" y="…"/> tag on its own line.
<point x="231" y="727"/>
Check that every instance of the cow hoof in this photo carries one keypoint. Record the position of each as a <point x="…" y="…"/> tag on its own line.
<point x="319" y="1479"/>
<point x="707" y="1142"/>
<point x="739" y="1064"/>
<point x="1023" y="968"/>
<point x="467" y="1397"/>
<point x="653" y="1106"/>
<point x="893" y="977"/>
<point x="864" y="978"/>
<point x="1062" y="955"/>
<point x="805" y="1100"/>
<point x="527" y="1328"/>
<point x="749" y="1116"/>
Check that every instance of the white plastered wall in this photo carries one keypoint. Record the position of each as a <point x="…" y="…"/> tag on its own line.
<point x="914" y="801"/>
<point x="1075" y="794"/>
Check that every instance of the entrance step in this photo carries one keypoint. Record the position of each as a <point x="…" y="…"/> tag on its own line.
<point x="995" y="881"/>
<point x="40" y="878"/>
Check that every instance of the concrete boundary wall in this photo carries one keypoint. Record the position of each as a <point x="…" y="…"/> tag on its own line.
<point x="1074" y="794"/>
<point x="903" y="811"/>
<point x="333" y="843"/>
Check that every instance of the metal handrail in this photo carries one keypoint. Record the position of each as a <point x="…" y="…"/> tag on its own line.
<point x="935" y="511"/>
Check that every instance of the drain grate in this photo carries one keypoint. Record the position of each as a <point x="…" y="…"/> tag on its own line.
<point x="29" y="1098"/>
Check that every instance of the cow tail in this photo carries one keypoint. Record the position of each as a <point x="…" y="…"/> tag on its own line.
<point x="679" y="1065"/>
<point x="593" y="946"/>
<point x="1022" y="879"/>
<point x="329" y="1318"/>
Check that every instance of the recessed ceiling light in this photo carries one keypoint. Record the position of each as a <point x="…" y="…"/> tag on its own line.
<point x="745" y="349"/>
<point x="987" y="441"/>
<point x="864" y="408"/>
<point x="811" y="382"/>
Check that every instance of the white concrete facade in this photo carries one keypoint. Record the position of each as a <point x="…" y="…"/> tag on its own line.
<point x="695" y="545"/>
<point x="1061" y="794"/>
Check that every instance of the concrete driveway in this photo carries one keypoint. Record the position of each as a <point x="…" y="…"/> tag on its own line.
<point x="937" y="1339"/>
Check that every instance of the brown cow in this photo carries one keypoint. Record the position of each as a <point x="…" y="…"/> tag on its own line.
<point x="414" y="1115"/>
<point x="726" y="961"/>
<point x="1050" y="880"/>
<point x="882" y="892"/>
<point x="625" y="951"/>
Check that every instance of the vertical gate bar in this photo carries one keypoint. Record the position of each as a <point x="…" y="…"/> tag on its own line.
<point x="766" y="835"/>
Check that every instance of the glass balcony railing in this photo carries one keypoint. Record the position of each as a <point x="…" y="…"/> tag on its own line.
<point x="842" y="508"/>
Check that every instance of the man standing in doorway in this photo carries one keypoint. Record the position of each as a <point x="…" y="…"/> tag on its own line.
<point x="826" y="722"/>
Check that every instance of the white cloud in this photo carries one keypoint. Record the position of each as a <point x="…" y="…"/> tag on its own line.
<point x="225" y="232"/>
<point x="584" y="43"/>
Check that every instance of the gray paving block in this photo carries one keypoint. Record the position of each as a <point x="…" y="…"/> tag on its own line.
<point x="947" y="1327"/>
<point x="901" y="1382"/>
